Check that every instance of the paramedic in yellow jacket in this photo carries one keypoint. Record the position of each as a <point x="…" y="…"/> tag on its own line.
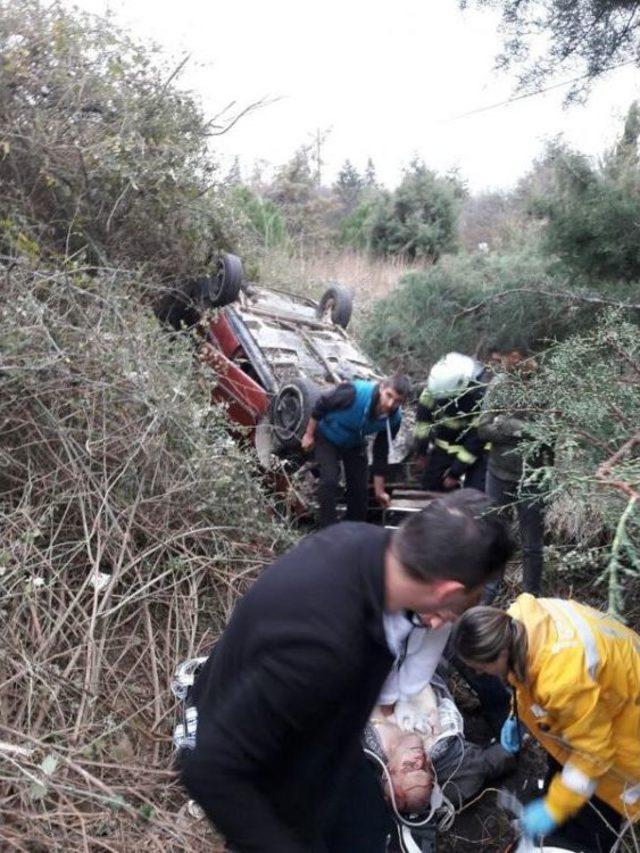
<point x="576" y="679"/>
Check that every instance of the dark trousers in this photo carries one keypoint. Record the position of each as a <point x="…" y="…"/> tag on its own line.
<point x="360" y="819"/>
<point x="530" y="511"/>
<point x="476" y="475"/>
<point x="356" y="473"/>
<point x="586" y="830"/>
<point x="494" y="696"/>
<point x="439" y="463"/>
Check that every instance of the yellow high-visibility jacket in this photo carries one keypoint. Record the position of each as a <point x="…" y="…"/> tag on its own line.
<point x="581" y="701"/>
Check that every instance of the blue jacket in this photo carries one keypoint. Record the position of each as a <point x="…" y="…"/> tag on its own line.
<point x="349" y="427"/>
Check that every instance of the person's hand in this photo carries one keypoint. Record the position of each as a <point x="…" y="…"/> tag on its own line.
<point x="449" y="483"/>
<point x="511" y="735"/>
<point x="413" y="719"/>
<point x="383" y="498"/>
<point x="307" y="441"/>
<point x="536" y="820"/>
<point x="381" y="494"/>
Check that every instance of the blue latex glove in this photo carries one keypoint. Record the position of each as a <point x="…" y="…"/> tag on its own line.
<point x="511" y="735"/>
<point x="536" y="820"/>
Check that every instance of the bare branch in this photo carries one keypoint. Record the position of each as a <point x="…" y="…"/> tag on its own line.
<point x="557" y="294"/>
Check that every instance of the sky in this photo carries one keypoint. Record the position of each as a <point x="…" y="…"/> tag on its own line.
<point x="387" y="80"/>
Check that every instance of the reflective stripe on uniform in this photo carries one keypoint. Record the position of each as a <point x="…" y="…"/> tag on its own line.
<point x="577" y="781"/>
<point x="457" y="424"/>
<point x="422" y="429"/>
<point x="630" y="796"/>
<point x="584" y="632"/>
<point x="461" y="453"/>
<point x="426" y="399"/>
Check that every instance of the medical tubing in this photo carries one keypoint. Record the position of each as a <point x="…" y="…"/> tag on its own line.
<point x="448" y="805"/>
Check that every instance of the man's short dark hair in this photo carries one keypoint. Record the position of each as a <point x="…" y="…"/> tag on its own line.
<point x="458" y="536"/>
<point x="519" y="344"/>
<point x="400" y="383"/>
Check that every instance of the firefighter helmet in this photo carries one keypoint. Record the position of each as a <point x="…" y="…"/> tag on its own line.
<point x="452" y="374"/>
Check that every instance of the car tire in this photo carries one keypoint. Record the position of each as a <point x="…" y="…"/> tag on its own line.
<point x="223" y="287"/>
<point x="290" y="412"/>
<point x="339" y="301"/>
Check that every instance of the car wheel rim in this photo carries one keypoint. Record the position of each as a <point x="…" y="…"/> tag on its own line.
<point x="327" y="314"/>
<point x="216" y="283"/>
<point x="288" y="413"/>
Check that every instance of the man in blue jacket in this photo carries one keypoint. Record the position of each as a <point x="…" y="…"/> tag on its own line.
<point x="338" y="428"/>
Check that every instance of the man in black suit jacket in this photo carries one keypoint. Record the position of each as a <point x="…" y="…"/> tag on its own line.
<point x="283" y="700"/>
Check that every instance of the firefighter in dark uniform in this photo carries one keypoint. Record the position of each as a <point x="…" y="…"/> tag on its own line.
<point x="446" y="438"/>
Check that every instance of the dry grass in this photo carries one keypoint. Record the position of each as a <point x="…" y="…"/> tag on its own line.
<point x="369" y="278"/>
<point x="113" y="466"/>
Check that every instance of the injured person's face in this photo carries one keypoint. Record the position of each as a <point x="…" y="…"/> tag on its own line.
<point x="410" y="770"/>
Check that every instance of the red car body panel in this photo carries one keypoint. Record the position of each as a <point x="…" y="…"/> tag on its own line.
<point x="222" y="334"/>
<point x="246" y="400"/>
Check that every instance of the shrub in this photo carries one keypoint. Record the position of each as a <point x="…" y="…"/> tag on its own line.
<point x="471" y="302"/>
<point x="355" y="229"/>
<point x="586" y="400"/>
<point x="114" y="469"/>
<point x="261" y="218"/>
<point x="102" y="158"/>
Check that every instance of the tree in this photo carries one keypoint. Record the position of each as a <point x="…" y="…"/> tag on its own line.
<point x="419" y="219"/>
<point x="316" y="152"/>
<point x="457" y="182"/>
<point x="490" y="219"/>
<point x="370" y="177"/>
<point x="627" y="148"/>
<point x="118" y="476"/>
<point x="257" y="179"/>
<point x="234" y="175"/>
<point x="295" y="193"/>
<point x="590" y="36"/>
<point x="348" y="186"/>
<point x="592" y="211"/>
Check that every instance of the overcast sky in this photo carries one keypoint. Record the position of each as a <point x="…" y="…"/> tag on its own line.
<point x="389" y="79"/>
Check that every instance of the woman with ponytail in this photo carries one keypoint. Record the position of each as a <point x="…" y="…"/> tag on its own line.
<point x="575" y="675"/>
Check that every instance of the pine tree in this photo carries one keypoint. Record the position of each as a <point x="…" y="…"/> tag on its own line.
<point x="234" y="175"/>
<point x="348" y="186"/>
<point x="627" y="148"/>
<point x="586" y="37"/>
<point x="370" y="177"/>
<point x="295" y="193"/>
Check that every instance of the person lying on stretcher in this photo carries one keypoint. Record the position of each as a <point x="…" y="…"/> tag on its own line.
<point x="417" y="732"/>
<point x="404" y="749"/>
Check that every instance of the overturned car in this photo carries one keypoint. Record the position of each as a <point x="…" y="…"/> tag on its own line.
<point x="274" y="353"/>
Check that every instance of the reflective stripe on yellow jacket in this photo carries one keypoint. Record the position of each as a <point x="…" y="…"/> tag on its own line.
<point x="582" y="702"/>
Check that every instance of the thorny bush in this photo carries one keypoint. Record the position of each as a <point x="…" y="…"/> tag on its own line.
<point x="468" y="303"/>
<point x="102" y="158"/>
<point x="129" y="523"/>
<point x="585" y="403"/>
